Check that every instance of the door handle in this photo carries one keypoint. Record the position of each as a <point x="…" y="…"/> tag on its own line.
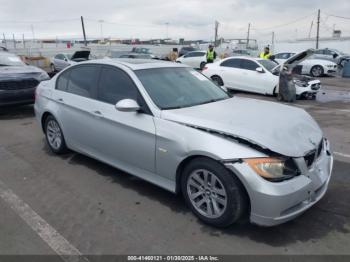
<point x="96" y="113"/>
<point x="60" y="100"/>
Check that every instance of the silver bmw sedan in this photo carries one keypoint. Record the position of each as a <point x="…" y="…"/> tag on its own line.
<point x="168" y="124"/>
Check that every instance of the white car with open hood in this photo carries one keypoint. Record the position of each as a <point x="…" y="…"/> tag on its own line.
<point x="62" y="60"/>
<point x="259" y="75"/>
<point x="313" y="67"/>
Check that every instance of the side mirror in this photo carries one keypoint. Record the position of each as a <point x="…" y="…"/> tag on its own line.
<point x="127" y="105"/>
<point x="66" y="59"/>
<point x="335" y="55"/>
<point x="259" y="70"/>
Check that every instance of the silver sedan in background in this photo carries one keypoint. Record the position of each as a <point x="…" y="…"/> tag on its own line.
<point x="170" y="125"/>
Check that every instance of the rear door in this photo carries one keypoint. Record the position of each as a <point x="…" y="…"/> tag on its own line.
<point x="75" y="93"/>
<point x="231" y="73"/>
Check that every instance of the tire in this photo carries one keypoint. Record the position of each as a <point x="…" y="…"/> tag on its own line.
<point x="202" y="65"/>
<point x="316" y="71"/>
<point x="343" y="62"/>
<point x="274" y="92"/>
<point x="52" y="68"/>
<point x="54" y="136"/>
<point x="217" y="80"/>
<point x="220" y="205"/>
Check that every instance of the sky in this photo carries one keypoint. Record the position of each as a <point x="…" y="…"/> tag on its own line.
<point x="189" y="19"/>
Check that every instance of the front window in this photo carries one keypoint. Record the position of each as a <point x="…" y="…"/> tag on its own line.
<point x="10" y="60"/>
<point x="172" y="88"/>
<point x="268" y="64"/>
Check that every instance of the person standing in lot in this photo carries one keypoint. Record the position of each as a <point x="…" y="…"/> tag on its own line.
<point x="266" y="54"/>
<point x="173" y="55"/>
<point x="211" y="54"/>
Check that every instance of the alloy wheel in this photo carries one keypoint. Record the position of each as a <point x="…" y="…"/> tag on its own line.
<point x="317" y="71"/>
<point x="54" y="134"/>
<point x="206" y="193"/>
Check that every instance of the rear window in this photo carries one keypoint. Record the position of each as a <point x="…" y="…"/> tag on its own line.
<point x="83" y="80"/>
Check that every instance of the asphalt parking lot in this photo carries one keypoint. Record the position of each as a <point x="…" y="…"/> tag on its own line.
<point x="101" y="210"/>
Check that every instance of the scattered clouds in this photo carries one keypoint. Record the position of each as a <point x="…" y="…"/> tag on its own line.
<point x="192" y="19"/>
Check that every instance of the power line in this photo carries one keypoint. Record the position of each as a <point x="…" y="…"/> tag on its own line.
<point x="286" y="24"/>
<point x="338" y="16"/>
<point x="38" y="21"/>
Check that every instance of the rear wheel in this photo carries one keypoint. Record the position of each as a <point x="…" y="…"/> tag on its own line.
<point x="317" y="71"/>
<point x="202" y="65"/>
<point x="217" y="80"/>
<point x="54" y="136"/>
<point x="213" y="193"/>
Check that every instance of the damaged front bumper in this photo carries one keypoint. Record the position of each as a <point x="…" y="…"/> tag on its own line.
<point x="273" y="203"/>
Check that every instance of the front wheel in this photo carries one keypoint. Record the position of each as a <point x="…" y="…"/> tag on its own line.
<point x="316" y="71"/>
<point x="213" y="193"/>
<point x="202" y="65"/>
<point x="53" y="68"/>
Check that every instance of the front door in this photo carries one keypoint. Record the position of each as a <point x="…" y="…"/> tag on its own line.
<point x="124" y="139"/>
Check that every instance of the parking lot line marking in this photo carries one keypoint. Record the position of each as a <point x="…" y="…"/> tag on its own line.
<point x="45" y="231"/>
<point x="341" y="154"/>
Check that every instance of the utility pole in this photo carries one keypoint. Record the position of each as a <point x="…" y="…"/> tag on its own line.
<point x="101" y="28"/>
<point x="32" y="27"/>
<point x="312" y="24"/>
<point x="216" y="33"/>
<point x="24" y="42"/>
<point x="4" y="40"/>
<point x="82" y="25"/>
<point x="318" y="28"/>
<point x="248" y="35"/>
<point x="14" y="41"/>
<point x="273" y="42"/>
<point x="167" y="29"/>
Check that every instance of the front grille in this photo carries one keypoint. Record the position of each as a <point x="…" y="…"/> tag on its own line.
<point x="314" y="154"/>
<point x="315" y="86"/>
<point x="310" y="158"/>
<point x="18" y="84"/>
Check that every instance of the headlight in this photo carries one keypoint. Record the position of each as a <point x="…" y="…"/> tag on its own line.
<point x="301" y="83"/>
<point x="43" y="76"/>
<point x="273" y="169"/>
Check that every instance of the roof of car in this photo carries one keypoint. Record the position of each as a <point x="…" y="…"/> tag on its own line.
<point x="7" y="54"/>
<point x="136" y="64"/>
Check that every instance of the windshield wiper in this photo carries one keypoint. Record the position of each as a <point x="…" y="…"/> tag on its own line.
<point x="172" y="107"/>
<point x="4" y="65"/>
<point x="211" y="101"/>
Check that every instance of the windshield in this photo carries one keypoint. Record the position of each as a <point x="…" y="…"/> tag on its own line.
<point x="172" y="88"/>
<point x="340" y="52"/>
<point x="10" y="60"/>
<point x="268" y="64"/>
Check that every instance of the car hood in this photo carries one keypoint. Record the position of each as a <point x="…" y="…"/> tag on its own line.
<point x="84" y="54"/>
<point x="296" y="59"/>
<point x="8" y="72"/>
<point x="285" y="130"/>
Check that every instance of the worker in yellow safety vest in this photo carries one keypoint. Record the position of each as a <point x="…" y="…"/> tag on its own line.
<point x="211" y="54"/>
<point x="266" y="54"/>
